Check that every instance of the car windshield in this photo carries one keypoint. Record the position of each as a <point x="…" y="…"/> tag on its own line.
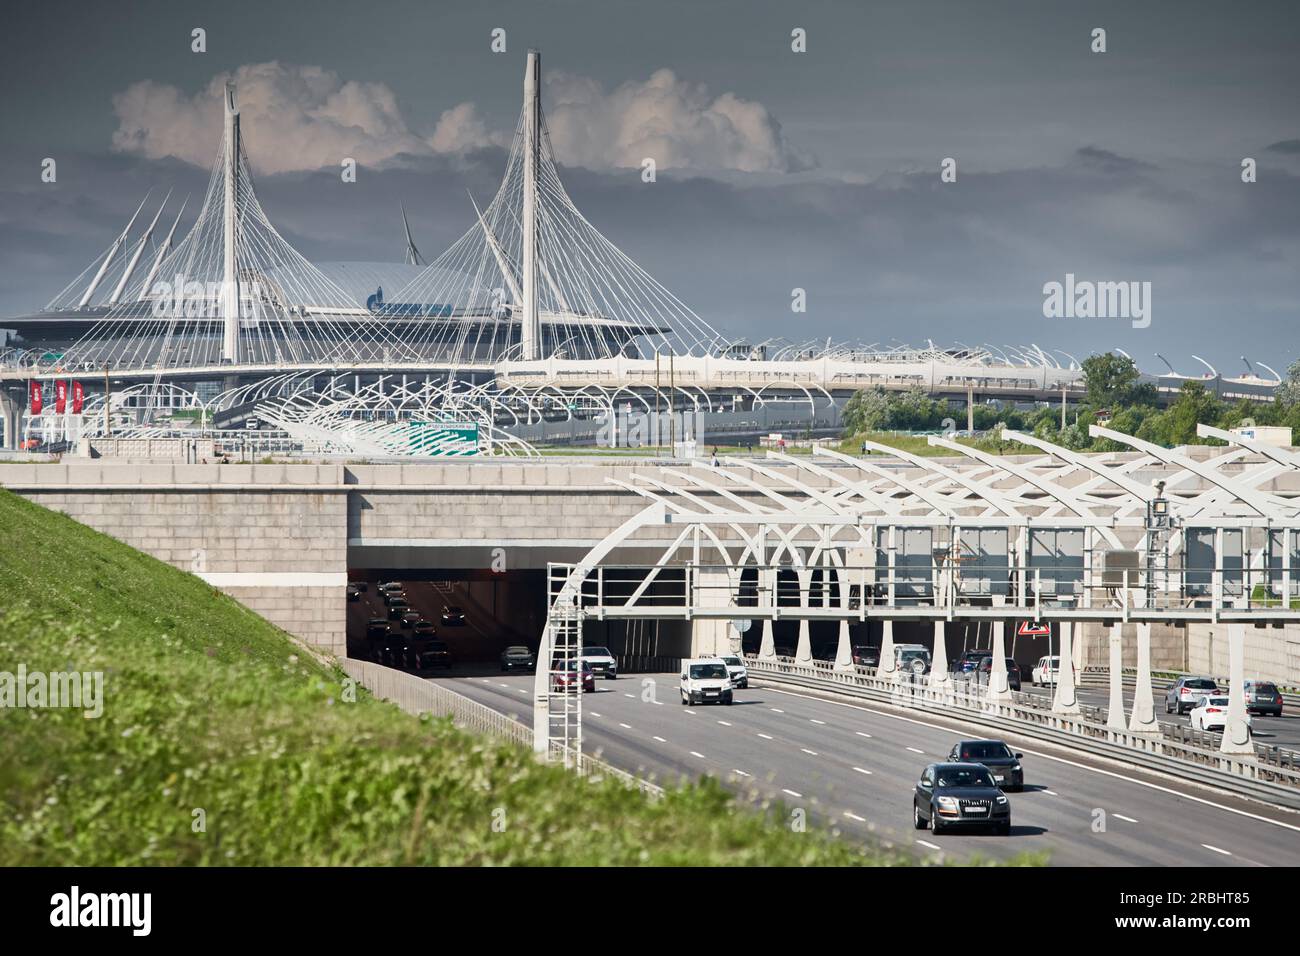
<point x="909" y="655"/>
<point x="964" y="777"/>
<point x="984" y="751"/>
<point x="516" y="650"/>
<point x="1201" y="683"/>
<point x="733" y="661"/>
<point x="705" y="671"/>
<point x="1214" y="702"/>
<point x="597" y="652"/>
<point x="1264" y="688"/>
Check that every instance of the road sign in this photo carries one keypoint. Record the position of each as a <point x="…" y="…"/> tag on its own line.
<point x="437" y="439"/>
<point x="1033" y="629"/>
<point x="742" y="625"/>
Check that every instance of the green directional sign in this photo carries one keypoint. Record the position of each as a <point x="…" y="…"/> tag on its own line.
<point x="443" y="439"/>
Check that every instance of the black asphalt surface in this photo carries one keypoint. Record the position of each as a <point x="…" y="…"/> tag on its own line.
<point x="855" y="766"/>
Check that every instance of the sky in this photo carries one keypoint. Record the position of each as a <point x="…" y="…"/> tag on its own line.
<point x="776" y="170"/>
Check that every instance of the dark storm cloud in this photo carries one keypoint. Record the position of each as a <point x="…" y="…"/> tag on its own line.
<point x="1289" y="146"/>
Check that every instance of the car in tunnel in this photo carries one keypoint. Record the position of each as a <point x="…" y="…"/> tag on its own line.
<point x="566" y="676"/>
<point x="705" y="680"/>
<point x="397" y="609"/>
<point x="738" y="671"/>
<point x="959" y="796"/>
<point x="424" y="655"/>
<point x="601" y="661"/>
<point x="378" y="627"/>
<point x="997" y="756"/>
<point x="864" y="656"/>
<point x="453" y="616"/>
<point x="410" y="619"/>
<point x="518" y="657"/>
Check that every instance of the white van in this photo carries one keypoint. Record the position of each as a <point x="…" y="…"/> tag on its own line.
<point x="1046" y="671"/>
<point x="705" y="680"/>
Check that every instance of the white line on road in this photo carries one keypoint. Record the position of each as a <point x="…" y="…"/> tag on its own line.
<point x="660" y="739"/>
<point x="915" y="751"/>
<point x="1120" y="816"/>
<point x="689" y="711"/>
<point x="854" y="816"/>
<point x="522" y="691"/>
<point x="810" y="752"/>
<point x="766" y="736"/>
<point x="741" y="772"/>
<point x="777" y="710"/>
<point x="862" y="734"/>
<point x="793" y="793"/>
<point x="594" y="714"/>
<point x="724" y="723"/>
<point x="506" y="686"/>
<point x="625" y="726"/>
<point x="1216" y="849"/>
<point x="695" y="753"/>
<point x="816" y="721"/>
<point x="1051" y="793"/>
<point x="929" y="844"/>
<point x="860" y="770"/>
<point x="632" y="696"/>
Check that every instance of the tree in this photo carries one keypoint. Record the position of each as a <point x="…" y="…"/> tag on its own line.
<point x="1114" y="380"/>
<point x="1288" y="393"/>
<point x="866" y="411"/>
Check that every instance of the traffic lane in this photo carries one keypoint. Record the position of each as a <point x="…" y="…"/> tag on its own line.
<point x="863" y="764"/>
<point x="1283" y="731"/>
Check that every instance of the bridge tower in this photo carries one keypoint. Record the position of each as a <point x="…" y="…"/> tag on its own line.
<point x="530" y="335"/>
<point x="230" y="277"/>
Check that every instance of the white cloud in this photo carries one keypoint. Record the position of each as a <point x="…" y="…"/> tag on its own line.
<point x="305" y="117"/>
<point x="678" y="124"/>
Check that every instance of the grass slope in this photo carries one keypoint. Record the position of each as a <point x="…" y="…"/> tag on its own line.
<point x="209" y="707"/>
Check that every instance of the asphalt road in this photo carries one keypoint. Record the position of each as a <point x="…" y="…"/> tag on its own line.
<point x="855" y="767"/>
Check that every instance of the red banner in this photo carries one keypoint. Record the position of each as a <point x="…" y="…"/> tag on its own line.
<point x="61" y="395"/>
<point x="34" y="393"/>
<point x="78" y="398"/>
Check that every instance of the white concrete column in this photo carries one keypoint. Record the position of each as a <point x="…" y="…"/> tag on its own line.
<point x="887" y="669"/>
<point x="1142" y="720"/>
<point x="999" y="692"/>
<point x="1236" y="733"/>
<point x="711" y="637"/>
<point x="1064" y="699"/>
<point x="939" y="676"/>
<point x="766" y="647"/>
<point x="1115" y="711"/>
<point x="803" y="652"/>
<point x="844" y="652"/>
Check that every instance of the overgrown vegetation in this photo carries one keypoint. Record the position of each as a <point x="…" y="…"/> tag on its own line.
<point x="1115" y="396"/>
<point x="214" y="716"/>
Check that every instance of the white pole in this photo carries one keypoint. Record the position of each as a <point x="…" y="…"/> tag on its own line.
<point x="1064" y="698"/>
<point x="530" y="331"/>
<point x="230" y="278"/>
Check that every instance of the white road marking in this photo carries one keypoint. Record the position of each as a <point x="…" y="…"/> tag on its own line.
<point x="1216" y="849"/>
<point x="766" y="736"/>
<point x="793" y="793"/>
<point x="724" y="723"/>
<point x="657" y="703"/>
<point x="776" y="710"/>
<point x="816" y="721"/>
<point x="506" y="686"/>
<point x="861" y="734"/>
<point x="915" y="751"/>
<point x="1054" y="757"/>
<point x="1120" y="816"/>
<point x="741" y="772"/>
<point x="929" y="844"/>
<point x="812" y="752"/>
<point x="522" y="691"/>
<point x="661" y="740"/>
<point x="625" y="726"/>
<point x="689" y="711"/>
<point x="695" y="753"/>
<point x="854" y="816"/>
<point x="1051" y="793"/>
<point x="594" y="714"/>
<point x="860" y="770"/>
<point x="632" y="696"/>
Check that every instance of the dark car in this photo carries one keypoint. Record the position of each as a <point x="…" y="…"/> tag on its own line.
<point x="864" y="656"/>
<point x="422" y="655"/>
<point x="392" y="652"/>
<point x="410" y="619"/>
<point x="377" y="627"/>
<point x="390" y="586"/>
<point x="518" y="657"/>
<point x="997" y="756"/>
<point x="354" y="593"/>
<point x="967" y="662"/>
<point x="424" y="629"/>
<point x="453" y="616"/>
<point x="959" y="795"/>
<point x="397" y="609"/>
<point x="394" y="597"/>
<point x="1187" y="692"/>
<point x="1263" y="697"/>
<point x="361" y="586"/>
<point x="565" y="676"/>
<point x="984" y="672"/>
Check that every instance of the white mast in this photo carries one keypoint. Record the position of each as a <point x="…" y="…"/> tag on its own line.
<point x="230" y="280"/>
<point x="112" y="252"/>
<point x="530" y="332"/>
<point x="139" y="251"/>
<point x="165" y="248"/>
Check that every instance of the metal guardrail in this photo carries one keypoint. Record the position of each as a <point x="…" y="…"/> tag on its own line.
<point x="1187" y="760"/>
<point x="418" y="696"/>
<point x="1095" y="675"/>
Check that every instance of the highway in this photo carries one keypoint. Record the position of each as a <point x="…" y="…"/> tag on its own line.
<point x="855" y="766"/>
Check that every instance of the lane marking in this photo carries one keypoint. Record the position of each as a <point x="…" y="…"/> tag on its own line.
<point x="915" y="751"/>
<point x="1053" y="757"/>
<point x="741" y="772"/>
<point x="695" y="753"/>
<point x="521" y="690"/>
<point x="816" y="721"/>
<point x="1051" y="793"/>
<point x="929" y="844"/>
<point x="660" y="739"/>
<point x="1120" y="816"/>
<point x="1216" y="849"/>
<point x="625" y="726"/>
<point x="594" y="714"/>
<point x="766" y="736"/>
<point x="724" y="723"/>
<point x="632" y="696"/>
<point x="777" y="710"/>
<point x="863" y="734"/>
<point x="506" y="686"/>
<point x="689" y="711"/>
<point x="860" y="770"/>
<point x="793" y="793"/>
<point x="854" y="816"/>
<point x="812" y="752"/>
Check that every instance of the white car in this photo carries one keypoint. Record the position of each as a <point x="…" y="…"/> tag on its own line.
<point x="601" y="662"/>
<point x="1046" y="670"/>
<point x="738" y="671"/>
<point x="705" y="680"/>
<point x="1211" y="713"/>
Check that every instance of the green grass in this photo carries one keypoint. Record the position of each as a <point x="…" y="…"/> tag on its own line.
<point x="209" y="707"/>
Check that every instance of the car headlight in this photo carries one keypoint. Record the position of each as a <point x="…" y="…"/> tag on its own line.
<point x="1015" y="767"/>
<point x="1001" y="800"/>
<point x="948" y="803"/>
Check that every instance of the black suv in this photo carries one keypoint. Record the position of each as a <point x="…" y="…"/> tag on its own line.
<point x="997" y="756"/>
<point x="952" y="795"/>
